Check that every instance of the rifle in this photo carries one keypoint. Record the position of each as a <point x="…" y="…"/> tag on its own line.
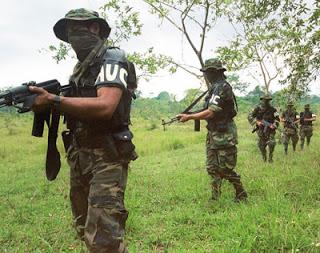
<point x="187" y="111"/>
<point x="291" y="123"/>
<point x="266" y="126"/>
<point x="22" y="98"/>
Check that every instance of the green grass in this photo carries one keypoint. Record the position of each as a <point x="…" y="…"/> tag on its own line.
<point x="167" y="195"/>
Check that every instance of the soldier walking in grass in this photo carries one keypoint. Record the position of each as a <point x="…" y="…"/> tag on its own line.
<point x="266" y="119"/>
<point x="306" y="129"/>
<point x="222" y="136"/>
<point x="290" y="119"/>
<point x="98" y="143"/>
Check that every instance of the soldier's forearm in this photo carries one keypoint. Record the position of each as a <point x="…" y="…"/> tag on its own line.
<point x="206" y="114"/>
<point x="86" y="108"/>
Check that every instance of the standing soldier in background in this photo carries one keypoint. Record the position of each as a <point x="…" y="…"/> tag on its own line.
<point x="266" y="119"/>
<point x="306" y="129"/>
<point x="98" y="143"/>
<point x="222" y="136"/>
<point x="290" y="119"/>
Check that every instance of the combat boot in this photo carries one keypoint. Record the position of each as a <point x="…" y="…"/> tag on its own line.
<point x="270" y="158"/>
<point x="264" y="156"/>
<point x="241" y="194"/>
<point x="216" y="190"/>
<point x="286" y="149"/>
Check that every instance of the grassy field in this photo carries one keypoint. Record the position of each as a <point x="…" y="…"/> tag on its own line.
<point x="167" y="196"/>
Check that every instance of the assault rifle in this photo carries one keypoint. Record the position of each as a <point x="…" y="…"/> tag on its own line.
<point x="22" y="98"/>
<point x="291" y="123"/>
<point x="187" y="111"/>
<point x="266" y="126"/>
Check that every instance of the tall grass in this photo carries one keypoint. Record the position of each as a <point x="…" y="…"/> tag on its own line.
<point x="167" y="196"/>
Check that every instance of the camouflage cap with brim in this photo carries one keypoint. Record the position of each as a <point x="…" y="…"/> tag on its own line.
<point x="266" y="97"/>
<point x="212" y="63"/>
<point x="290" y="104"/>
<point x="80" y="15"/>
<point x="307" y="106"/>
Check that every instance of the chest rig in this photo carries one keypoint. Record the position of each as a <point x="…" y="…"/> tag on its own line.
<point x="306" y="115"/>
<point x="229" y="108"/>
<point x="83" y="85"/>
<point x="266" y="113"/>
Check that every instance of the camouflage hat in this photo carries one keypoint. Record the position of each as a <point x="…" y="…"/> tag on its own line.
<point x="81" y="15"/>
<point x="212" y="63"/>
<point x="265" y="97"/>
<point x="307" y="106"/>
<point x="290" y="103"/>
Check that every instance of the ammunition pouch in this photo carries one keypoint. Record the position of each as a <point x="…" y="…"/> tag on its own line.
<point x="117" y="145"/>
<point x="124" y="145"/>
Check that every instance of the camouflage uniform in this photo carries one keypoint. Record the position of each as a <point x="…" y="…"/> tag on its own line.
<point x="306" y="129"/>
<point x="290" y="116"/>
<point x="268" y="115"/>
<point x="99" y="151"/>
<point x="222" y="134"/>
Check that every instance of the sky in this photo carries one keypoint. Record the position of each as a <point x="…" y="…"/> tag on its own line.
<point x="26" y="33"/>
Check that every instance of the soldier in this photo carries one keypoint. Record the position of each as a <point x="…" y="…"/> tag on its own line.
<point x="266" y="119"/>
<point x="98" y="114"/>
<point x="290" y="119"/>
<point x="222" y="136"/>
<point x="306" y="129"/>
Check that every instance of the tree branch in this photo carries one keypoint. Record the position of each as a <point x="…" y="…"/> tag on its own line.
<point x="164" y="16"/>
<point x="205" y="24"/>
<point x="183" y="17"/>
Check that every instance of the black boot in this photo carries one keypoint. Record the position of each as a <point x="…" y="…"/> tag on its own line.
<point x="270" y="158"/>
<point x="241" y="194"/>
<point x="216" y="188"/>
<point x="264" y="156"/>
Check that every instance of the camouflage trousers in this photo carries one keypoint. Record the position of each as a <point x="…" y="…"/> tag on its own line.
<point x="290" y="133"/>
<point x="220" y="165"/>
<point x="306" y="132"/>
<point x="97" y="199"/>
<point x="266" y="140"/>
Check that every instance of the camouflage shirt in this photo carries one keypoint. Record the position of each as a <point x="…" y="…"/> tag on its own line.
<point x="222" y="129"/>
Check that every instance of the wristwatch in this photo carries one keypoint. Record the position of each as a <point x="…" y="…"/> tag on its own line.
<point x="56" y="102"/>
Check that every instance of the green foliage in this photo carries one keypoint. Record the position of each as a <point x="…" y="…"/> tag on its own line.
<point x="280" y="38"/>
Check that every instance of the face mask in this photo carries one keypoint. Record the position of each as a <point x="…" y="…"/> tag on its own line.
<point x="265" y="103"/>
<point x="83" y="42"/>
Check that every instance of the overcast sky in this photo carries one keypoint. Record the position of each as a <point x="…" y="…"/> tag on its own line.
<point x="26" y="28"/>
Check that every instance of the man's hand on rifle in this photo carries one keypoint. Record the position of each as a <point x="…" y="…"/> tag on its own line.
<point x="259" y="123"/>
<point x="183" y="117"/>
<point x="43" y="100"/>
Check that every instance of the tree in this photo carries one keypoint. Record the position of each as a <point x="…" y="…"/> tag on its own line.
<point x="256" y="44"/>
<point x="275" y="37"/>
<point x="302" y="44"/>
<point x="186" y="15"/>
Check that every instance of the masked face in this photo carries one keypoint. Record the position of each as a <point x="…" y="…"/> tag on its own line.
<point x="265" y="102"/>
<point x="82" y="42"/>
<point x="211" y="75"/>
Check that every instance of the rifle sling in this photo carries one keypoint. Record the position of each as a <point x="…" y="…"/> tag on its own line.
<point x="53" y="162"/>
